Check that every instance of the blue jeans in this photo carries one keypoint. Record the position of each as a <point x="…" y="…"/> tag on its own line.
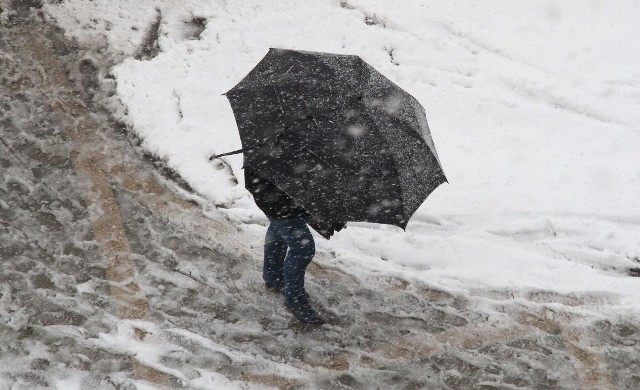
<point x="285" y="269"/>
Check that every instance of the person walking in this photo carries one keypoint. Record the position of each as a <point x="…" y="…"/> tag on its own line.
<point x="345" y="142"/>
<point x="288" y="248"/>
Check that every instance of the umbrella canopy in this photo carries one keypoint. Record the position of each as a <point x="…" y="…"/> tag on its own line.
<point x="337" y="136"/>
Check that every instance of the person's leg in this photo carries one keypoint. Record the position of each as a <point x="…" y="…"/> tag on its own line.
<point x="298" y="238"/>
<point x="301" y="251"/>
<point x="275" y="250"/>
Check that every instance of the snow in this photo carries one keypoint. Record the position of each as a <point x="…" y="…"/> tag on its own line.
<point x="532" y="107"/>
<point x="149" y="350"/>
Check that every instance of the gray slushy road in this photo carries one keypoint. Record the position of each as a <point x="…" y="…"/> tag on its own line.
<point x="95" y="238"/>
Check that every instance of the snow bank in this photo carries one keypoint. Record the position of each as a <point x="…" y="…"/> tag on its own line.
<point x="533" y="109"/>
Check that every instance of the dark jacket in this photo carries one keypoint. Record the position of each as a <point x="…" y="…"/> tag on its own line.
<point x="273" y="202"/>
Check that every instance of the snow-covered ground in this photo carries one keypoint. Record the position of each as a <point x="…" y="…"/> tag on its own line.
<point x="532" y="106"/>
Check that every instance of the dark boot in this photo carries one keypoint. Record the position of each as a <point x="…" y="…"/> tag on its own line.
<point x="304" y="312"/>
<point x="280" y="290"/>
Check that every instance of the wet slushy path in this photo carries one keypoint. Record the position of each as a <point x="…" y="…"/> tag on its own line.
<point x="111" y="277"/>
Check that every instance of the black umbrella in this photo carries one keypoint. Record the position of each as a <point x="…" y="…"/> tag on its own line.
<point x="337" y="136"/>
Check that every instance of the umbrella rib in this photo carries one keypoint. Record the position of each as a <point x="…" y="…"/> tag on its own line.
<point x="395" y="164"/>
<point x="291" y="67"/>
<point x="328" y="164"/>
<point x="275" y="92"/>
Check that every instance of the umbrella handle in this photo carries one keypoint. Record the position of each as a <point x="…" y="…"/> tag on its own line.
<point x="228" y="153"/>
<point x="285" y="129"/>
<point x="234" y="152"/>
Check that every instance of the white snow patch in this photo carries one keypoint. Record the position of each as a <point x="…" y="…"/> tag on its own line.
<point x="155" y="346"/>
